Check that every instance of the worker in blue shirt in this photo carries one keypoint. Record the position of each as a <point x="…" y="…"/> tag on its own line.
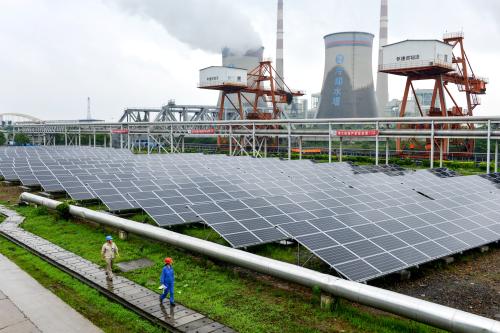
<point x="167" y="281"/>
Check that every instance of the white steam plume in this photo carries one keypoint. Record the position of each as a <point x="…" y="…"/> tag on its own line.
<point x="209" y="25"/>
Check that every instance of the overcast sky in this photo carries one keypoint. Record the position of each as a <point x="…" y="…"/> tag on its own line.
<point x="141" y="53"/>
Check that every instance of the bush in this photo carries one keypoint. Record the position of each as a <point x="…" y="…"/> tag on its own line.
<point x="316" y="295"/>
<point x="63" y="210"/>
<point x="2" y="139"/>
<point x="21" y="139"/>
<point x="41" y="210"/>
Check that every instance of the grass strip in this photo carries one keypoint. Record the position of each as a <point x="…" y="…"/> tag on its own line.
<point x="243" y="300"/>
<point x="109" y="316"/>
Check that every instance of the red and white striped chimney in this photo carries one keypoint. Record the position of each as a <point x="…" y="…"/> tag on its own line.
<point x="382" y="78"/>
<point x="279" y="41"/>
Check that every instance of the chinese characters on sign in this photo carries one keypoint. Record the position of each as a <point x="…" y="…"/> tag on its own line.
<point x="338" y="81"/>
<point x="357" y="133"/>
<point x="406" y="58"/>
<point x="202" y="131"/>
<point x="119" y="131"/>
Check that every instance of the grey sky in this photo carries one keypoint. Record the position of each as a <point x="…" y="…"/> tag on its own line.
<point x="55" y="53"/>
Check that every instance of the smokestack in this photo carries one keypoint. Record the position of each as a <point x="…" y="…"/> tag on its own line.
<point x="279" y="41"/>
<point x="348" y="90"/>
<point x="382" y="78"/>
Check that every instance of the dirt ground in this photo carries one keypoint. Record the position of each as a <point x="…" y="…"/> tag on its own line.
<point x="9" y="193"/>
<point x="471" y="283"/>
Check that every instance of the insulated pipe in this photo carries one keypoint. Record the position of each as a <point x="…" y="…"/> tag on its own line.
<point x="413" y="308"/>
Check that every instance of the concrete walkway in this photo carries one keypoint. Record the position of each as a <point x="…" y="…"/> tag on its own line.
<point x="26" y="306"/>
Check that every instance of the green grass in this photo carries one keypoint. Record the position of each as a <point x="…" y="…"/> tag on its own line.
<point x="243" y="300"/>
<point x="109" y="316"/>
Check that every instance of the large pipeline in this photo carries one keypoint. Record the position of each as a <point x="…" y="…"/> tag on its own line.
<point x="413" y="308"/>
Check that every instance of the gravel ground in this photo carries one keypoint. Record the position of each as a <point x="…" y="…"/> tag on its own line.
<point x="9" y="193"/>
<point x="471" y="283"/>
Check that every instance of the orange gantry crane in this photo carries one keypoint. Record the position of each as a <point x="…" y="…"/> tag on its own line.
<point x="261" y="98"/>
<point x="460" y="74"/>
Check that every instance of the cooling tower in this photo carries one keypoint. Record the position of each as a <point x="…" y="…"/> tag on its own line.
<point x="348" y="90"/>
<point x="246" y="60"/>
<point x="382" y="78"/>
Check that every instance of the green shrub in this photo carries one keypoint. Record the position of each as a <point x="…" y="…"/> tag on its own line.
<point x="41" y="210"/>
<point x="316" y="295"/>
<point x="63" y="210"/>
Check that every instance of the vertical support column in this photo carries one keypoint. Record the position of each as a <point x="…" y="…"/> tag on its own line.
<point x="182" y="143"/>
<point x="329" y="142"/>
<point x="289" y="141"/>
<point x="376" y="144"/>
<point x="121" y="137"/>
<point x="387" y="151"/>
<point x="94" y="137"/>
<point x="105" y="136"/>
<point x="340" y="150"/>
<point x="265" y="147"/>
<point x="65" y="136"/>
<point x="300" y="147"/>
<point x="441" y="153"/>
<point x="171" y="138"/>
<point x="496" y="156"/>
<point x="110" y="138"/>
<point x="253" y="139"/>
<point x="432" y="145"/>
<point x="148" y="142"/>
<point x="79" y="137"/>
<point x="44" y="139"/>
<point x="230" y="140"/>
<point x="128" y="137"/>
<point x="488" y="148"/>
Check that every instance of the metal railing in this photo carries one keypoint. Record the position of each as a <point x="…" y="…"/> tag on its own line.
<point x="171" y="135"/>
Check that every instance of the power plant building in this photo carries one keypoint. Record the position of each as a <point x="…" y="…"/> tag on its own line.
<point x="348" y="89"/>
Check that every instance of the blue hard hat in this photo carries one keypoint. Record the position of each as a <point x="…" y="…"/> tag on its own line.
<point x="108" y="238"/>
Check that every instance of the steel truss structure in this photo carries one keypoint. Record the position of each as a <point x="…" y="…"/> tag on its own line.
<point x="171" y="112"/>
<point x="248" y="137"/>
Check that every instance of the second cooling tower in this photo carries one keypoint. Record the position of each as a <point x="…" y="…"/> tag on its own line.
<point x="348" y="90"/>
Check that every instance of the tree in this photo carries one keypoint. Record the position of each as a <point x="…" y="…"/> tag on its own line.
<point x="21" y="139"/>
<point x="2" y="139"/>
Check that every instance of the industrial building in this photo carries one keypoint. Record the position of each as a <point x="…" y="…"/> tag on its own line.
<point x="348" y="89"/>
<point x="424" y="98"/>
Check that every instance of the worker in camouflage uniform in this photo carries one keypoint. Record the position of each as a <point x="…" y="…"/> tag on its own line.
<point x="108" y="252"/>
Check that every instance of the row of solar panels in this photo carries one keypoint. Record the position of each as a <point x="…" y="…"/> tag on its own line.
<point x="363" y="221"/>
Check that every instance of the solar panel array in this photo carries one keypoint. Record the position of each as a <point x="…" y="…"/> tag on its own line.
<point x="364" y="221"/>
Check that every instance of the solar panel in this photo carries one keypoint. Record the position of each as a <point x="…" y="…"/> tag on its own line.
<point x="364" y="221"/>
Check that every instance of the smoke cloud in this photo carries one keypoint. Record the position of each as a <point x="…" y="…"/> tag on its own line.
<point x="207" y="25"/>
